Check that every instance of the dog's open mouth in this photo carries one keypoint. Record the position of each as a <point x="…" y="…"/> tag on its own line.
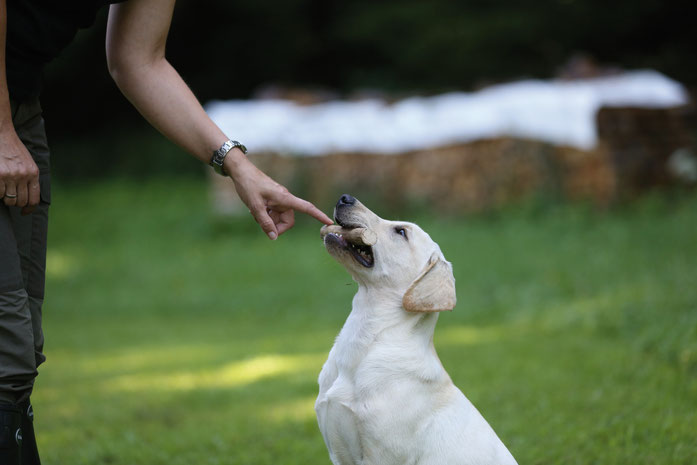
<point x="357" y="241"/>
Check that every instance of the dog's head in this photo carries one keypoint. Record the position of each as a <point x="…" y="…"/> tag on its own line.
<point x="397" y="257"/>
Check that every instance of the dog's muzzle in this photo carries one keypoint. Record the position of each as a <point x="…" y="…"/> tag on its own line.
<point x="357" y="241"/>
<point x="348" y="235"/>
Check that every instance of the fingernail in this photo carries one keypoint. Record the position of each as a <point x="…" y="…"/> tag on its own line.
<point x="272" y="236"/>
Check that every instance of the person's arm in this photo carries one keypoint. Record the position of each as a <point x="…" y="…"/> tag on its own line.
<point x="135" y="43"/>
<point x="19" y="176"/>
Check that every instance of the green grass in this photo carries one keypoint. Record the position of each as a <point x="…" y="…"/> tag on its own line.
<point x="173" y="338"/>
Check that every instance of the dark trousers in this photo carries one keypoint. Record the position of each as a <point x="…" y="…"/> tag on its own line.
<point x="23" y="268"/>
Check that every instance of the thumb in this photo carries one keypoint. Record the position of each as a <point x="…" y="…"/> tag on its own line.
<point x="267" y="225"/>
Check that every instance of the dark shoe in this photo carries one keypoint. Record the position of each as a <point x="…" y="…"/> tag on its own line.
<point x="30" y="452"/>
<point x="10" y="434"/>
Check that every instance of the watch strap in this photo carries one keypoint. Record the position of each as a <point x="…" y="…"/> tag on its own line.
<point x="219" y="155"/>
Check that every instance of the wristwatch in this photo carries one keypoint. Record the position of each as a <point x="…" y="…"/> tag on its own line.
<point x="220" y="154"/>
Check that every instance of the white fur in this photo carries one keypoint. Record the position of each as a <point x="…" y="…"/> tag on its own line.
<point x="384" y="396"/>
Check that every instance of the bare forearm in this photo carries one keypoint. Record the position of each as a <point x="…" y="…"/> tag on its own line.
<point x="135" y="43"/>
<point x="164" y="99"/>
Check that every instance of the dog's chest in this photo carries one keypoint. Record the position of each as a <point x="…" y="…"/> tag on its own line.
<point x="336" y="416"/>
<point x="361" y="403"/>
<point x="346" y="418"/>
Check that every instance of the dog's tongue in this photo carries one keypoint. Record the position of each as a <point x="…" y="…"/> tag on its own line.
<point x="363" y="236"/>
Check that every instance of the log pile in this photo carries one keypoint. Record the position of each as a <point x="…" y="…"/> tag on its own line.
<point x="632" y="156"/>
<point x="640" y="142"/>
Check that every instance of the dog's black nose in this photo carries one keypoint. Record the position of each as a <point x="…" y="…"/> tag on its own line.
<point x="346" y="200"/>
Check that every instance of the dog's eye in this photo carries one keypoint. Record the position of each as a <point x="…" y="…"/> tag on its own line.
<point x="401" y="231"/>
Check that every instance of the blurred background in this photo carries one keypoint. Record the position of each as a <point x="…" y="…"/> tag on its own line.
<point x="177" y="333"/>
<point x="317" y="51"/>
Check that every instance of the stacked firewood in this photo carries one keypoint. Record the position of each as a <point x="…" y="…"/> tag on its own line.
<point x="641" y="142"/>
<point x="632" y="156"/>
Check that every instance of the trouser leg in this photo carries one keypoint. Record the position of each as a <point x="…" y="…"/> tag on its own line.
<point x="17" y="352"/>
<point x="22" y="276"/>
<point x="22" y="268"/>
<point x="30" y="235"/>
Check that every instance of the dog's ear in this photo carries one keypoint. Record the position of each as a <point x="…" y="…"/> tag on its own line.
<point x="433" y="290"/>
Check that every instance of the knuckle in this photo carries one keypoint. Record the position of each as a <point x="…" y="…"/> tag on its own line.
<point x="261" y="218"/>
<point x="257" y="211"/>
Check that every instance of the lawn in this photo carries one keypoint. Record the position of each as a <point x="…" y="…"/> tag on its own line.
<point x="174" y="338"/>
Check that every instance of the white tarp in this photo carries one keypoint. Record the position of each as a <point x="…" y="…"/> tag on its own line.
<point x="559" y="112"/>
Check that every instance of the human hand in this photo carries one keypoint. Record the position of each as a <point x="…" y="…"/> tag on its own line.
<point x="271" y="205"/>
<point x="19" y="175"/>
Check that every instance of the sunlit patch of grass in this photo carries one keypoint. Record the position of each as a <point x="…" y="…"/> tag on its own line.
<point x="298" y="410"/>
<point x="230" y="375"/>
<point x="468" y="335"/>
<point x="59" y="265"/>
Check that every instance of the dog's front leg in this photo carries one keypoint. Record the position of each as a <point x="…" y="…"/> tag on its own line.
<point x="341" y="433"/>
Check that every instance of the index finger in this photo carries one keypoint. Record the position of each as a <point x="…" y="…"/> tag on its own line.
<point x="308" y="208"/>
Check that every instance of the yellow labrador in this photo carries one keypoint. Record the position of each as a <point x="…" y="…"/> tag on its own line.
<point x="384" y="397"/>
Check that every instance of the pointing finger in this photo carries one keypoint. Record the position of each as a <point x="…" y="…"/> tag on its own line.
<point x="308" y="208"/>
